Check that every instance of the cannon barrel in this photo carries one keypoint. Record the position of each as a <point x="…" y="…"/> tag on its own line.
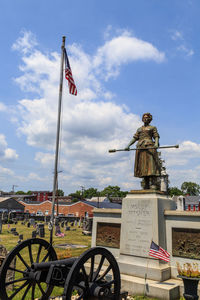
<point x="68" y="262"/>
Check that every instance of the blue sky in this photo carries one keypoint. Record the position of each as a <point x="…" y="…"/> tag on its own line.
<point x="127" y="58"/>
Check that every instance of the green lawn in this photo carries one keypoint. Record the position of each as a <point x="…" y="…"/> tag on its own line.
<point x="71" y="237"/>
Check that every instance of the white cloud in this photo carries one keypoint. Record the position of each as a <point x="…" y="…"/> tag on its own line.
<point x="183" y="163"/>
<point x="5" y="172"/>
<point x="185" y="50"/>
<point x="25" y="43"/>
<point x="91" y="122"/>
<point x="182" y="47"/>
<point x="125" y="49"/>
<point x="2" y="107"/>
<point x="177" y="35"/>
<point x="6" y="154"/>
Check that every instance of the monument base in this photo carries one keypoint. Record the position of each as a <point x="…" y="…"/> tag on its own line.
<point x="167" y="290"/>
<point x="143" y="221"/>
<point x="141" y="267"/>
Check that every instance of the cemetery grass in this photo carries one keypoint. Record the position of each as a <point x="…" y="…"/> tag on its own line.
<point x="71" y="237"/>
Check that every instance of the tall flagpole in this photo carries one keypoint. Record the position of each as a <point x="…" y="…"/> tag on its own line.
<point x="57" y="141"/>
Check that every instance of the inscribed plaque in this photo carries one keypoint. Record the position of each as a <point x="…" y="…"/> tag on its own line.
<point x="186" y="242"/>
<point x="108" y="235"/>
<point x="137" y="227"/>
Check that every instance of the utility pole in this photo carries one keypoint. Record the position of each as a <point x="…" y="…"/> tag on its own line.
<point x="13" y="188"/>
<point x="82" y="191"/>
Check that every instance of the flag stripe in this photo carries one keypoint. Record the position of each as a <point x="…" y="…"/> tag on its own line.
<point x="69" y="76"/>
<point x="158" y="252"/>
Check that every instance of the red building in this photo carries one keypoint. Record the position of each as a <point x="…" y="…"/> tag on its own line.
<point x="77" y="209"/>
<point x="42" y="195"/>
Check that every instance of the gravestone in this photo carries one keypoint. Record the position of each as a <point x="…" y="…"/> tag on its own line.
<point x="142" y="222"/>
<point x="32" y="221"/>
<point x="34" y="234"/>
<point x="21" y="236"/>
<point x="87" y="226"/>
<point x="57" y="229"/>
<point x="41" y="230"/>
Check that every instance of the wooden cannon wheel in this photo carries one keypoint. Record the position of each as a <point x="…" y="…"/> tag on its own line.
<point x="16" y="277"/>
<point x="95" y="274"/>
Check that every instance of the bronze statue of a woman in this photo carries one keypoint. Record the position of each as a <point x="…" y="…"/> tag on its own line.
<point x="147" y="163"/>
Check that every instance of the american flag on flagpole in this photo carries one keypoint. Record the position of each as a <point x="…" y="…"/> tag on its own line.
<point x="159" y="252"/>
<point x="68" y="76"/>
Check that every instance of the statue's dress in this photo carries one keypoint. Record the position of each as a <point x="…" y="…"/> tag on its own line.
<point x="146" y="161"/>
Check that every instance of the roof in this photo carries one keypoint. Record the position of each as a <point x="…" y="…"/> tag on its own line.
<point x="98" y="199"/>
<point x="5" y="198"/>
<point x="90" y="203"/>
<point x="192" y="200"/>
<point x="103" y="204"/>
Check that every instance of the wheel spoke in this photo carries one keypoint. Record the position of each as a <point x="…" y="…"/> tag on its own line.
<point x="18" y="290"/>
<point x="45" y="257"/>
<point x="21" y="258"/>
<point x="30" y="253"/>
<point x="33" y="292"/>
<point x="26" y="291"/>
<point x="84" y="273"/>
<point x="99" y="267"/>
<point x="17" y="270"/>
<point x="91" y="269"/>
<point x="105" y="273"/>
<point x="38" y="254"/>
<point x="15" y="281"/>
<point x="41" y="289"/>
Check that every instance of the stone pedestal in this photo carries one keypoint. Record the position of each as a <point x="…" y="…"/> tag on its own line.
<point x="143" y="221"/>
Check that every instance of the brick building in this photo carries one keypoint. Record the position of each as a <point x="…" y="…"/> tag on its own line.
<point x="41" y="195"/>
<point x="78" y="209"/>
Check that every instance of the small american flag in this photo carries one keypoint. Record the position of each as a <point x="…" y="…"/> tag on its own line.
<point x="158" y="252"/>
<point x="68" y="76"/>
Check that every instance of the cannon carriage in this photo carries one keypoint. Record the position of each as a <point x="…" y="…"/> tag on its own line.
<point x="93" y="275"/>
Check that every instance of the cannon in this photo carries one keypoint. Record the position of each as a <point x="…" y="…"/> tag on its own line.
<point x="36" y="271"/>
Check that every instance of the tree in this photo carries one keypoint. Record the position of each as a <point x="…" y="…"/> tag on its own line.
<point x="190" y="188"/>
<point x="20" y="193"/>
<point x="76" y="196"/>
<point x="113" y="191"/>
<point x="91" y="192"/>
<point x="174" y="191"/>
<point x="59" y="192"/>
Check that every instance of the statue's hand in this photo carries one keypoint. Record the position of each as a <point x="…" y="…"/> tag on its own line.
<point x="155" y="146"/>
<point x="127" y="149"/>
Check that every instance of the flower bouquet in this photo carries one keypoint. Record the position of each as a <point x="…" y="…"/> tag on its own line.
<point x="188" y="270"/>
